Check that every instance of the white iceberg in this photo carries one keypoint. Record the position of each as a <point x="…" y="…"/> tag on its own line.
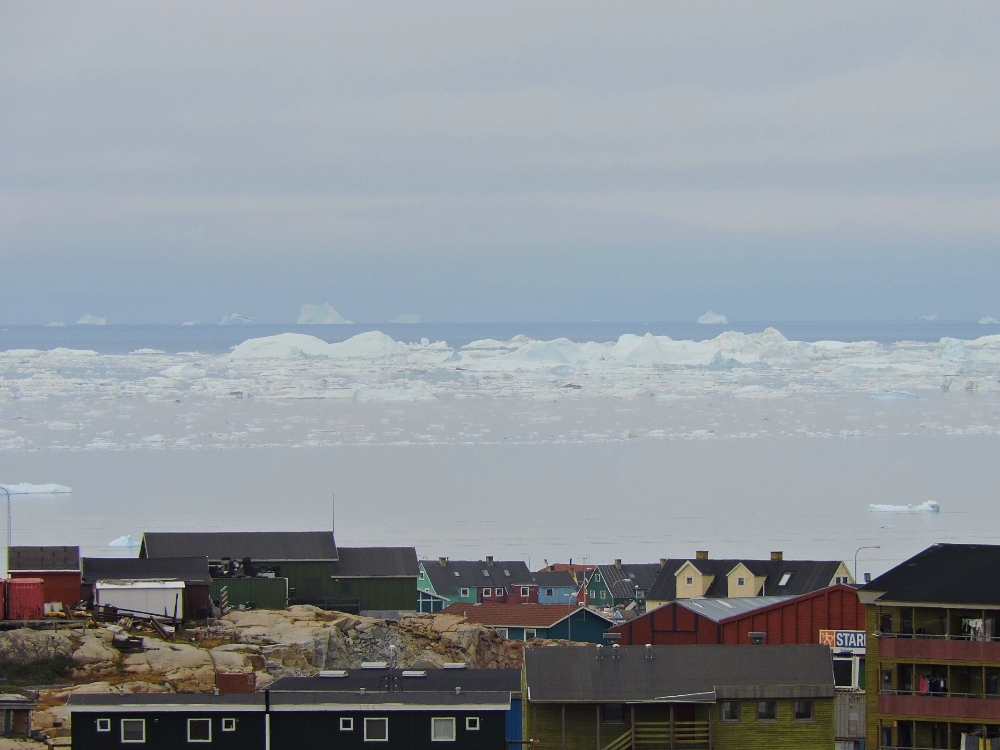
<point x="323" y="314"/>
<point x="91" y="320"/>
<point x="372" y="344"/>
<point x="988" y="321"/>
<point x="148" y="351"/>
<point x="713" y="319"/>
<point x="926" y="507"/>
<point x="55" y="324"/>
<point x="236" y="320"/>
<point x="35" y="489"/>
<point x="123" y="541"/>
<point x="928" y="317"/>
<point x="894" y="396"/>
<point x="406" y="318"/>
<point x="191" y="323"/>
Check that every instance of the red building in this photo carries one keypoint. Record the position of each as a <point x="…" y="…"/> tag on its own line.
<point x="58" y="567"/>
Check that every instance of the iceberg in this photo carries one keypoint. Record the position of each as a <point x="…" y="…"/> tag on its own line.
<point x="407" y="318"/>
<point x="928" y="318"/>
<point x="123" y="541"/>
<point x="323" y="314"/>
<point x="55" y="324"/>
<point x="236" y="320"/>
<point x="292" y="346"/>
<point x="191" y="323"/>
<point x="36" y="489"/>
<point x="91" y="320"/>
<point x="926" y="507"/>
<point x="713" y="319"/>
<point x="988" y="321"/>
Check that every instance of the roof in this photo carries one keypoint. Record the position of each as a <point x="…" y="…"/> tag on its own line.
<point x="449" y="577"/>
<point x="43" y="558"/>
<point x="630" y="575"/>
<point x="568" y="674"/>
<point x="500" y="615"/>
<point x="942" y="573"/>
<point x="555" y="579"/>
<point x="276" y="546"/>
<point x="376" y="562"/>
<point x="187" y="569"/>
<point x="806" y="576"/>
<point x="81" y="700"/>
<point x="721" y="609"/>
<point x="286" y="700"/>
<point x="579" y="571"/>
<point x="446" y="680"/>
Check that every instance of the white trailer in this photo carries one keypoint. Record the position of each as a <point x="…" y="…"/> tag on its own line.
<point x="161" y="598"/>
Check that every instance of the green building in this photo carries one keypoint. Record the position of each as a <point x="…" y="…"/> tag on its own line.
<point x="681" y="697"/>
<point x="350" y="579"/>
<point x="621" y="584"/>
<point x="444" y="582"/>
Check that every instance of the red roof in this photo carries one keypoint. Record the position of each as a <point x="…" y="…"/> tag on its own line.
<point x="500" y="615"/>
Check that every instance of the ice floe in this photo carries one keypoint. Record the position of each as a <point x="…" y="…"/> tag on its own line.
<point x="36" y="489"/>
<point x="235" y="320"/>
<point x="323" y="314"/>
<point x="91" y="320"/>
<point x="926" y="507"/>
<point x="711" y="318"/>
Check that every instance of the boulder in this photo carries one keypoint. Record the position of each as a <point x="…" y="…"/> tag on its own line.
<point x="25" y="646"/>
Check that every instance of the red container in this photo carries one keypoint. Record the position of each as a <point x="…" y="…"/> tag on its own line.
<point x="25" y="599"/>
<point x="60" y="585"/>
<point x="235" y="683"/>
<point x="3" y="597"/>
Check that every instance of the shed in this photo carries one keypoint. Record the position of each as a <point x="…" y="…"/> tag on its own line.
<point x="192" y="571"/>
<point x="160" y="598"/>
<point x="15" y="715"/>
<point x="58" y="567"/>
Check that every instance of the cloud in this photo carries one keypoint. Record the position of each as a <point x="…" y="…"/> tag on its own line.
<point x="406" y="318"/>
<point x="320" y="315"/>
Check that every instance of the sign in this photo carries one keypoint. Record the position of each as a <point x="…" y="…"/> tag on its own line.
<point x="844" y="640"/>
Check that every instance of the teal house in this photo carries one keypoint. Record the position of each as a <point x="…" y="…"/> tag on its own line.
<point x="443" y="582"/>
<point x="526" y="622"/>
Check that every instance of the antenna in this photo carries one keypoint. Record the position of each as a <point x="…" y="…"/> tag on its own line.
<point x="333" y="513"/>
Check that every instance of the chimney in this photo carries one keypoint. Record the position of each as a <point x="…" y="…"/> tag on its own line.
<point x="618" y="562"/>
<point x="756" y="637"/>
<point x="777" y="556"/>
<point x="458" y="691"/>
<point x="552" y="568"/>
<point x="663" y="562"/>
<point x="443" y="561"/>
<point x="701" y="554"/>
<point x="489" y="559"/>
<point x="649" y="651"/>
<point x="868" y="577"/>
<point x="616" y="652"/>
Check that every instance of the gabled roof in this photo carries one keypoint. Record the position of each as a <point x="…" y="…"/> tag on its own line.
<point x="376" y="562"/>
<point x="566" y="674"/>
<point x="488" y="680"/>
<point x="721" y="609"/>
<point x="804" y="577"/>
<point x="942" y="573"/>
<point x="262" y="546"/>
<point x="187" y="569"/>
<point x="448" y="578"/>
<point x="634" y="574"/>
<point x="43" y="558"/>
<point x="500" y="615"/>
<point x="555" y="578"/>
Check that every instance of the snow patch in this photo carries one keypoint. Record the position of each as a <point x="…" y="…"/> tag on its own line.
<point x="928" y="317"/>
<point x="894" y="396"/>
<point x="713" y="319"/>
<point x="321" y="315"/>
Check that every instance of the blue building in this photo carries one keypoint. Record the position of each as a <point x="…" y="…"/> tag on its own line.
<point x="556" y="586"/>
<point x="525" y="622"/>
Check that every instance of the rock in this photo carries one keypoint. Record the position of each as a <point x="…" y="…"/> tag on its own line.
<point x="230" y="661"/>
<point x="93" y="650"/>
<point x="25" y="646"/>
<point x="94" y="687"/>
<point x="444" y="623"/>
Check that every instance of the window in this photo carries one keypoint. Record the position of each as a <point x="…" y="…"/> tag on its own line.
<point x="602" y="594"/>
<point x="487" y="592"/>
<point x="529" y="634"/>
<point x="729" y="711"/>
<point x="229" y="725"/>
<point x="471" y="723"/>
<point x="548" y="592"/>
<point x="457" y="574"/>
<point x="104" y="725"/>
<point x="802" y="710"/>
<point x="199" y="730"/>
<point x="841" y="579"/>
<point x="506" y="572"/>
<point x="597" y="577"/>
<point x="614" y="713"/>
<point x="463" y="592"/>
<point x="784" y="579"/>
<point x="767" y="710"/>
<point x="443" y="729"/>
<point x="502" y="632"/>
<point x="843" y="673"/>
<point x="377" y="730"/>
<point x="133" y="730"/>
<point x="689" y="581"/>
<point x="346" y="723"/>
<point x="421" y="575"/>
<point x="741" y="581"/>
<point x="525" y="591"/>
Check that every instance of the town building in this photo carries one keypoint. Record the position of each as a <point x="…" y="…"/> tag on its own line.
<point x="15" y="715"/>
<point x="933" y="649"/>
<point x="58" y="567"/>
<point x="556" y="586"/>
<point x="443" y="582"/>
<point x="144" y="585"/>
<point x="525" y="622"/>
<point x="620" y="585"/>
<point x="692" y="697"/>
<point x="732" y="578"/>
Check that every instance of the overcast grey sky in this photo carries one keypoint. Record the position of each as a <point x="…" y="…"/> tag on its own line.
<point x="499" y="161"/>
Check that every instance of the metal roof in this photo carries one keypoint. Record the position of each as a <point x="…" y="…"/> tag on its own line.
<point x="724" y="608"/>
<point x="501" y="615"/>
<point x="376" y="562"/>
<point x="452" y="575"/>
<point x="263" y="546"/>
<point x="489" y="680"/>
<point x="43" y="558"/>
<point x="944" y="574"/>
<point x="187" y="569"/>
<point x="805" y="576"/>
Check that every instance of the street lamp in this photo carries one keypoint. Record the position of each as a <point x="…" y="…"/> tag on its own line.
<point x="876" y="546"/>
<point x="7" y="492"/>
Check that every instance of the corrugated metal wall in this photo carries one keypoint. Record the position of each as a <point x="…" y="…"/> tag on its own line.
<point x="849" y="716"/>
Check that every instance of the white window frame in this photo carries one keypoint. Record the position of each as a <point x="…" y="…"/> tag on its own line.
<point x="346" y="723"/>
<point x="199" y="719"/>
<point x="142" y="723"/>
<point x="104" y="725"/>
<point x="463" y="592"/>
<point x="229" y="725"/>
<point x="530" y="634"/>
<point x="373" y="719"/>
<point x="502" y="632"/>
<point x="487" y="592"/>
<point x="526" y="591"/>
<point x="689" y="580"/>
<point x="597" y="577"/>
<point x="741" y="581"/>
<point x="449" y="720"/>
<point x="785" y="578"/>
<point x="471" y="723"/>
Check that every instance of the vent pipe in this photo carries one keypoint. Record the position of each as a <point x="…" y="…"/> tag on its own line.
<point x="649" y="651"/>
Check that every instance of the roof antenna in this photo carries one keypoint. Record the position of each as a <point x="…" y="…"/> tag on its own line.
<point x="333" y="514"/>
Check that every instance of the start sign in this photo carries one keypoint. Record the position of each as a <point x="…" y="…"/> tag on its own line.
<point x="844" y="640"/>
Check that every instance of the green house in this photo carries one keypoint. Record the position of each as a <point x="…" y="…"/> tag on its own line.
<point x="444" y="582"/>
<point x="681" y="697"/>
<point x="620" y="584"/>
<point x="350" y="579"/>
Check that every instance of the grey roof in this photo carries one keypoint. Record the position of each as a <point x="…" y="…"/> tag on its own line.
<point x="567" y="674"/>
<point x="806" y="576"/>
<point x="263" y="546"/>
<point x="555" y="578"/>
<point x="416" y="699"/>
<point x="43" y="558"/>
<point x="164" y="699"/>
<point x="724" y="607"/>
<point x="942" y="573"/>
<point x="283" y="699"/>
<point x="447" y="579"/>
<point x="376" y="562"/>
<point x="631" y="574"/>
<point x="488" y="680"/>
<point x="187" y="569"/>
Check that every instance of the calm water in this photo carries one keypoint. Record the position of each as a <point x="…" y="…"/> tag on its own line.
<point x="209" y="339"/>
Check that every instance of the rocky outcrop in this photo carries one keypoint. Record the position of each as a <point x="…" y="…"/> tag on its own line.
<point x="25" y="646"/>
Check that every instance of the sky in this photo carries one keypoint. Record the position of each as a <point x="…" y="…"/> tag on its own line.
<point x="523" y="161"/>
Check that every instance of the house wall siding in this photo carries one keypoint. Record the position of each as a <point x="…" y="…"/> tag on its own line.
<point x="168" y="730"/>
<point x="750" y="734"/>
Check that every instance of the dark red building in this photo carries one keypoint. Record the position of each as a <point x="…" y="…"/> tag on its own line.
<point x="58" y="567"/>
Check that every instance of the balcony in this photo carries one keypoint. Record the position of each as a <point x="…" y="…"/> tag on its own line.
<point x="686" y="735"/>
<point x="939" y="648"/>
<point x="944" y="706"/>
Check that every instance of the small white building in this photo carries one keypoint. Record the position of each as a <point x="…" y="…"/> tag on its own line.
<point x="161" y="598"/>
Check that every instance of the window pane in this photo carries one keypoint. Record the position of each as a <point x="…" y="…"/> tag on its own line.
<point x="376" y="729"/>
<point x="730" y="711"/>
<point x="767" y="709"/>
<point x="803" y="710"/>
<point x="133" y="730"/>
<point x="843" y="672"/>
<point x="199" y="730"/>
<point x="442" y="730"/>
